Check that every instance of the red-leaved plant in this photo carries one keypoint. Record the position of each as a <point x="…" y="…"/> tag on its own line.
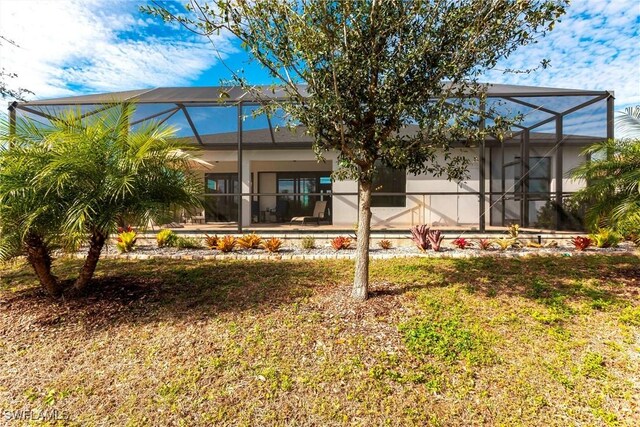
<point x="435" y="239"/>
<point x="462" y="243"/>
<point x="340" y="243"/>
<point x="581" y="243"/>
<point x="484" y="244"/>
<point x="420" y="236"/>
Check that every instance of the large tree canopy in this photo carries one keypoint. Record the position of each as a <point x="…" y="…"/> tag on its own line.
<point x="391" y="81"/>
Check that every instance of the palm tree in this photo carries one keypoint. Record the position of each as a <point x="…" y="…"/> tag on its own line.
<point x="103" y="174"/>
<point x="613" y="183"/>
<point x="30" y="217"/>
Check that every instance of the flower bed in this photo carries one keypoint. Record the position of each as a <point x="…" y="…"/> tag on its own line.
<point x="328" y="252"/>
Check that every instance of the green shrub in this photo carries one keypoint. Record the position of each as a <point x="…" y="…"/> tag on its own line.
<point x="188" y="243"/>
<point x="629" y="228"/>
<point x="308" y="242"/>
<point x="606" y="238"/>
<point x="166" y="237"/>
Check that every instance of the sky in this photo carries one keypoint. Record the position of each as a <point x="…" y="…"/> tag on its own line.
<point x="72" y="47"/>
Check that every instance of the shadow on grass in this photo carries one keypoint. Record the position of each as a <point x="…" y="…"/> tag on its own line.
<point x="139" y="291"/>
<point x="143" y="291"/>
<point x="597" y="278"/>
<point x="607" y="278"/>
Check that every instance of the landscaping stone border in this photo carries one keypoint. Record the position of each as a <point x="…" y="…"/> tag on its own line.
<point x="147" y="253"/>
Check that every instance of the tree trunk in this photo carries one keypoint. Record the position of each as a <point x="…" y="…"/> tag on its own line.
<point x="39" y="258"/>
<point x="360" y="289"/>
<point x="96" y="243"/>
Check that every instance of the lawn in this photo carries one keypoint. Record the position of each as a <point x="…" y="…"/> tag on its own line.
<point x="532" y="341"/>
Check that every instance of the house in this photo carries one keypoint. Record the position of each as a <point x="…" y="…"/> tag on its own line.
<point x="264" y="173"/>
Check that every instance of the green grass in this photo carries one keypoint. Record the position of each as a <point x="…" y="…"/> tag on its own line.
<point x="536" y="341"/>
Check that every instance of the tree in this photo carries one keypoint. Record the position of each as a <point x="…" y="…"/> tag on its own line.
<point x="390" y="82"/>
<point x="94" y="173"/>
<point x="5" y="90"/>
<point x="613" y="183"/>
<point x="30" y="217"/>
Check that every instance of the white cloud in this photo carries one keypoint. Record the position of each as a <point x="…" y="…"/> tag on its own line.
<point x="72" y="46"/>
<point x="594" y="47"/>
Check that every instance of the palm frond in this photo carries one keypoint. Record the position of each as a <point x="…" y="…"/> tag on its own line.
<point x="628" y="123"/>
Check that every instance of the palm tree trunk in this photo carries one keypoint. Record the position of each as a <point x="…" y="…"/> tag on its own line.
<point x="360" y="290"/>
<point x="39" y="258"/>
<point x="96" y="243"/>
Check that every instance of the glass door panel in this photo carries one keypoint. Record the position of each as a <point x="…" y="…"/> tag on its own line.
<point x="222" y="205"/>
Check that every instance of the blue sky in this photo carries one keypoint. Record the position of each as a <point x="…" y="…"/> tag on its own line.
<point x="69" y="47"/>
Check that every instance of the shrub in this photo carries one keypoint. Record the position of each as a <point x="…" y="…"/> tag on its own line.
<point x="385" y="244"/>
<point x="629" y="228"/>
<point x="126" y="240"/>
<point x="513" y="231"/>
<point x="420" y="236"/>
<point x="227" y="243"/>
<point x="537" y="244"/>
<point x="462" y="243"/>
<point x="606" y="238"/>
<point x="435" y="239"/>
<point x="581" y="243"/>
<point x="340" y="243"/>
<point x="533" y="244"/>
<point x="188" y="243"/>
<point x="166" y="237"/>
<point x="211" y="241"/>
<point x="272" y="245"/>
<point x="484" y="244"/>
<point x="504" y="243"/>
<point x="249" y="241"/>
<point x="308" y="242"/>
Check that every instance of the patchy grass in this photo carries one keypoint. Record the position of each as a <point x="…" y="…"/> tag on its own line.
<point x="536" y="341"/>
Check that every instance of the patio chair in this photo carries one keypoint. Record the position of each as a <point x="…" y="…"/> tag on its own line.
<point x="318" y="214"/>
<point x="195" y="217"/>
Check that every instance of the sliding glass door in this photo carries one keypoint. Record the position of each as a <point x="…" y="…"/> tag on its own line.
<point x="288" y="206"/>
<point x="221" y="203"/>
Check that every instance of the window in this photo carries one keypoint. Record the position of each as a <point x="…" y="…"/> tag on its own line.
<point x="389" y="180"/>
